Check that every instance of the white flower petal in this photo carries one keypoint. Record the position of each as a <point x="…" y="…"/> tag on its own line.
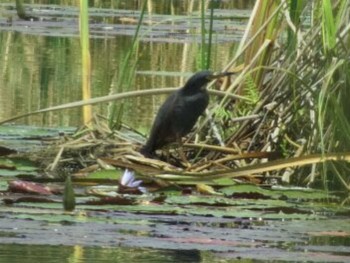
<point x="127" y="177"/>
<point x="135" y="183"/>
<point x="142" y="189"/>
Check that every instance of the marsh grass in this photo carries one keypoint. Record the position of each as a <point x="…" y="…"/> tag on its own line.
<point x="207" y="32"/>
<point x="86" y="59"/>
<point x="303" y="82"/>
<point x="125" y="75"/>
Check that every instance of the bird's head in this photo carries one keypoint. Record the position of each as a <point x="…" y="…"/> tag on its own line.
<point x="200" y="79"/>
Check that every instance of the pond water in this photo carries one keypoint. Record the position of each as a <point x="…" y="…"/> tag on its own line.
<point x="41" y="61"/>
<point x="62" y="254"/>
<point x="128" y="237"/>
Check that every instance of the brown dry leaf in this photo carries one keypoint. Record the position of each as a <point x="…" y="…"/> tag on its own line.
<point x="19" y="186"/>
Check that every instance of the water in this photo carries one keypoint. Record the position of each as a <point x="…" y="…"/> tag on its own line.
<point x="43" y="253"/>
<point x="127" y="237"/>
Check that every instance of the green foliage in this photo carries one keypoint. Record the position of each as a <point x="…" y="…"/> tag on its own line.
<point x="222" y="113"/>
<point x="106" y="174"/>
<point x="328" y="82"/>
<point x="223" y="116"/>
<point x="206" y="45"/>
<point x="17" y="167"/>
<point x="295" y="10"/>
<point x="251" y="90"/>
<point x="301" y="89"/>
<point x="328" y="26"/>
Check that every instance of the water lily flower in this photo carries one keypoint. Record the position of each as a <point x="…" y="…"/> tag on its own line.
<point x="128" y="180"/>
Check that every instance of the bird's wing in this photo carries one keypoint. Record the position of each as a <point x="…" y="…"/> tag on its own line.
<point x="166" y="111"/>
<point x="162" y="130"/>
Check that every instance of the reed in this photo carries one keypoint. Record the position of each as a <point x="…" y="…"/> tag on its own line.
<point x="302" y="78"/>
<point x="206" y="35"/>
<point x="86" y="59"/>
<point x="126" y="74"/>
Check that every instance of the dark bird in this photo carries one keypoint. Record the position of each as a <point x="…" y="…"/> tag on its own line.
<point x="180" y="111"/>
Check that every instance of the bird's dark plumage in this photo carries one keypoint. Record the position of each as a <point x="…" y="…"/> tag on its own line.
<point x="179" y="113"/>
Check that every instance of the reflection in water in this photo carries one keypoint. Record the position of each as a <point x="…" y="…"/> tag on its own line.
<point x="15" y="253"/>
<point x="42" y="70"/>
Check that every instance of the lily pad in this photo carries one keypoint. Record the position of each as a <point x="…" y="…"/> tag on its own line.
<point x="255" y="192"/>
<point x="106" y="174"/>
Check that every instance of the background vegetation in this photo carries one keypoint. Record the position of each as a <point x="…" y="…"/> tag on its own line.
<point x="297" y="60"/>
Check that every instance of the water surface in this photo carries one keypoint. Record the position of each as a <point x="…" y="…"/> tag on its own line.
<point x="41" y="62"/>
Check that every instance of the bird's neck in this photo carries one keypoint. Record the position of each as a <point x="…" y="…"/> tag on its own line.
<point x="188" y="90"/>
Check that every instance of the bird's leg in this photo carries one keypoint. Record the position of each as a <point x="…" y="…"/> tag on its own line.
<point x="182" y="153"/>
<point x="167" y="153"/>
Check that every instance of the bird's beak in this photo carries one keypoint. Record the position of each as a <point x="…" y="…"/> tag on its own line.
<point x="220" y="75"/>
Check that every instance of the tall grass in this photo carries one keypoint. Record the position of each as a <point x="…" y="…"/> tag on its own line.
<point x="126" y="74"/>
<point x="303" y="79"/>
<point x="328" y="27"/>
<point x="86" y="59"/>
<point x="206" y="35"/>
